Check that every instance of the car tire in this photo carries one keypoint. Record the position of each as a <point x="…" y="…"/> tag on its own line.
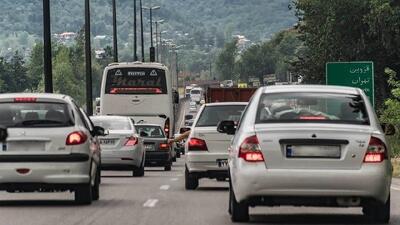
<point x="191" y="181"/>
<point x="178" y="154"/>
<point x="378" y="212"/>
<point x="168" y="167"/>
<point x="83" y="194"/>
<point x="239" y="210"/>
<point x="139" y="172"/>
<point x="96" y="187"/>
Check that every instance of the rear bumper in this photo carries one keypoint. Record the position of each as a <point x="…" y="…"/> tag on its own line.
<point x="42" y="187"/>
<point x="73" y="157"/>
<point x="158" y="158"/>
<point x="371" y="181"/>
<point x="45" y="173"/>
<point x="121" y="159"/>
<point x="205" y="161"/>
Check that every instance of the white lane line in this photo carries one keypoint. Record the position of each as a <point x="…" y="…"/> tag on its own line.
<point x="396" y="188"/>
<point x="150" y="203"/>
<point x="164" y="187"/>
<point x="174" y="179"/>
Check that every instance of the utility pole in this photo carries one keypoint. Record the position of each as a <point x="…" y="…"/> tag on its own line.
<point x="115" y="40"/>
<point x="141" y="29"/>
<point x="152" y="51"/>
<point x="88" y="57"/>
<point x="47" y="62"/>
<point x="135" y="57"/>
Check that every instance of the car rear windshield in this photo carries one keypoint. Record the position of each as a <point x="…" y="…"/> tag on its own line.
<point x="35" y="114"/>
<point x="212" y="115"/>
<point x="312" y="107"/>
<point x="195" y="92"/>
<point x="112" y="123"/>
<point x="151" y="131"/>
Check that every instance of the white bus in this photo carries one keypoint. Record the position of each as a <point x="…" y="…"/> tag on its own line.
<point x="142" y="91"/>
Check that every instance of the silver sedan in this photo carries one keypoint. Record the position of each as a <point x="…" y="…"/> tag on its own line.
<point x="309" y="146"/>
<point x="122" y="148"/>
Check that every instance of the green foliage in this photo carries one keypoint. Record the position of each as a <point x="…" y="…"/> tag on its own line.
<point x="226" y="61"/>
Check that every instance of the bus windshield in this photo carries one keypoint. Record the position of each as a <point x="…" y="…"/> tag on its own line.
<point x="136" y="81"/>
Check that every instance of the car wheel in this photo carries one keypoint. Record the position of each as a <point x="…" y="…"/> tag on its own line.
<point x="96" y="187"/>
<point x="239" y="210"/>
<point x="191" y="181"/>
<point x="168" y="167"/>
<point x="139" y="172"/>
<point x="378" y="212"/>
<point x="83" y="194"/>
<point x="178" y="154"/>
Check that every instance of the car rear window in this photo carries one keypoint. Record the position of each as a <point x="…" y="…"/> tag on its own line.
<point x="195" y="92"/>
<point x="112" y="123"/>
<point x="151" y="131"/>
<point x="35" y="114"/>
<point x="212" y="115"/>
<point x="312" y="107"/>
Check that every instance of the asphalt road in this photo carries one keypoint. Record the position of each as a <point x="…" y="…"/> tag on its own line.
<point x="159" y="198"/>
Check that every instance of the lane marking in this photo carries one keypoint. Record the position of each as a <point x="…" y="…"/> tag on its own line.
<point x="396" y="188"/>
<point x="150" y="203"/>
<point x="164" y="187"/>
<point x="174" y="179"/>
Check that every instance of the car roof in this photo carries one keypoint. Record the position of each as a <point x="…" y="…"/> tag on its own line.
<point x="310" y="88"/>
<point x="109" y="117"/>
<point x="225" y="103"/>
<point x="148" y="125"/>
<point x="47" y="96"/>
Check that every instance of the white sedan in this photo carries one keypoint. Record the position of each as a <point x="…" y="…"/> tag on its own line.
<point x="309" y="146"/>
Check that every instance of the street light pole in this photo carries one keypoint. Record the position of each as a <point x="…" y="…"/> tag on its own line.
<point x="156" y="40"/>
<point x="88" y="57"/>
<point x="115" y="41"/>
<point x="141" y="29"/>
<point x="157" y="37"/>
<point x="47" y="62"/>
<point x="135" y="57"/>
<point x="152" y="56"/>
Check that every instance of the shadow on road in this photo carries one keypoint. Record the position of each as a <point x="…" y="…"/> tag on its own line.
<point x="212" y="189"/>
<point x="309" y="219"/>
<point x="38" y="203"/>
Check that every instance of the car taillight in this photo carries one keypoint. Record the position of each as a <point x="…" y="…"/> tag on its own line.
<point x="196" y="144"/>
<point x="25" y="99"/>
<point x="376" y="151"/>
<point x="164" y="146"/>
<point x="132" y="141"/>
<point x="166" y="127"/>
<point x="250" y="150"/>
<point x="76" y="138"/>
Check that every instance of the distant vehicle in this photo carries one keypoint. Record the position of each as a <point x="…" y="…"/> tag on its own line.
<point x="158" y="151"/>
<point x="227" y="84"/>
<point x="309" y="146"/>
<point x="97" y="103"/>
<point x="122" y="148"/>
<point x="196" y="94"/>
<point x="180" y="146"/>
<point x="193" y="107"/>
<point x="48" y="134"/>
<point x="206" y="148"/>
<point x="187" y="91"/>
<point x="139" y="90"/>
<point x="229" y="94"/>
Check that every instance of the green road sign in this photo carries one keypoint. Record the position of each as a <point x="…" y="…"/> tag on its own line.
<point x="352" y="74"/>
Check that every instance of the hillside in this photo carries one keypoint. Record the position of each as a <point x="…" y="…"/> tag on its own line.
<point x="256" y="19"/>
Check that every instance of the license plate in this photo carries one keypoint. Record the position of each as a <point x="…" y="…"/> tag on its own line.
<point x="23" y="146"/>
<point x="107" y="142"/>
<point x="312" y="151"/>
<point x="222" y="163"/>
<point x="149" y="147"/>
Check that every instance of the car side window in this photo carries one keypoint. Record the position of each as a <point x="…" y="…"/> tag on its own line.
<point x="82" y="117"/>
<point x="87" y="121"/>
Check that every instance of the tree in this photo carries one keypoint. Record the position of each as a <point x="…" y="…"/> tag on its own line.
<point x="35" y="67"/>
<point x="226" y="61"/>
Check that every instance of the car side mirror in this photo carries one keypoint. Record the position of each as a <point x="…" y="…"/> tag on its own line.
<point x="99" y="131"/>
<point x="226" y="127"/>
<point x="3" y="133"/>
<point x="388" y="128"/>
<point x="184" y="129"/>
<point x="188" y="117"/>
<point x="143" y="134"/>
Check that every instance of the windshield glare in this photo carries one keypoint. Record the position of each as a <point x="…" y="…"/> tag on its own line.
<point x="151" y="131"/>
<point x="312" y="107"/>
<point x="112" y="123"/>
<point x="212" y="115"/>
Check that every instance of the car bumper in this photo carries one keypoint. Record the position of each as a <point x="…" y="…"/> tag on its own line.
<point x="122" y="158"/>
<point x="45" y="173"/>
<point x="203" y="162"/>
<point x="157" y="158"/>
<point x="371" y="181"/>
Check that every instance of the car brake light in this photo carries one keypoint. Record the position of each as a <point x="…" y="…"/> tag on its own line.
<point x="376" y="151"/>
<point x="164" y="146"/>
<point x="196" y="144"/>
<point x="166" y="127"/>
<point x="132" y="141"/>
<point x="250" y="150"/>
<point x="76" y="138"/>
<point x="25" y="99"/>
